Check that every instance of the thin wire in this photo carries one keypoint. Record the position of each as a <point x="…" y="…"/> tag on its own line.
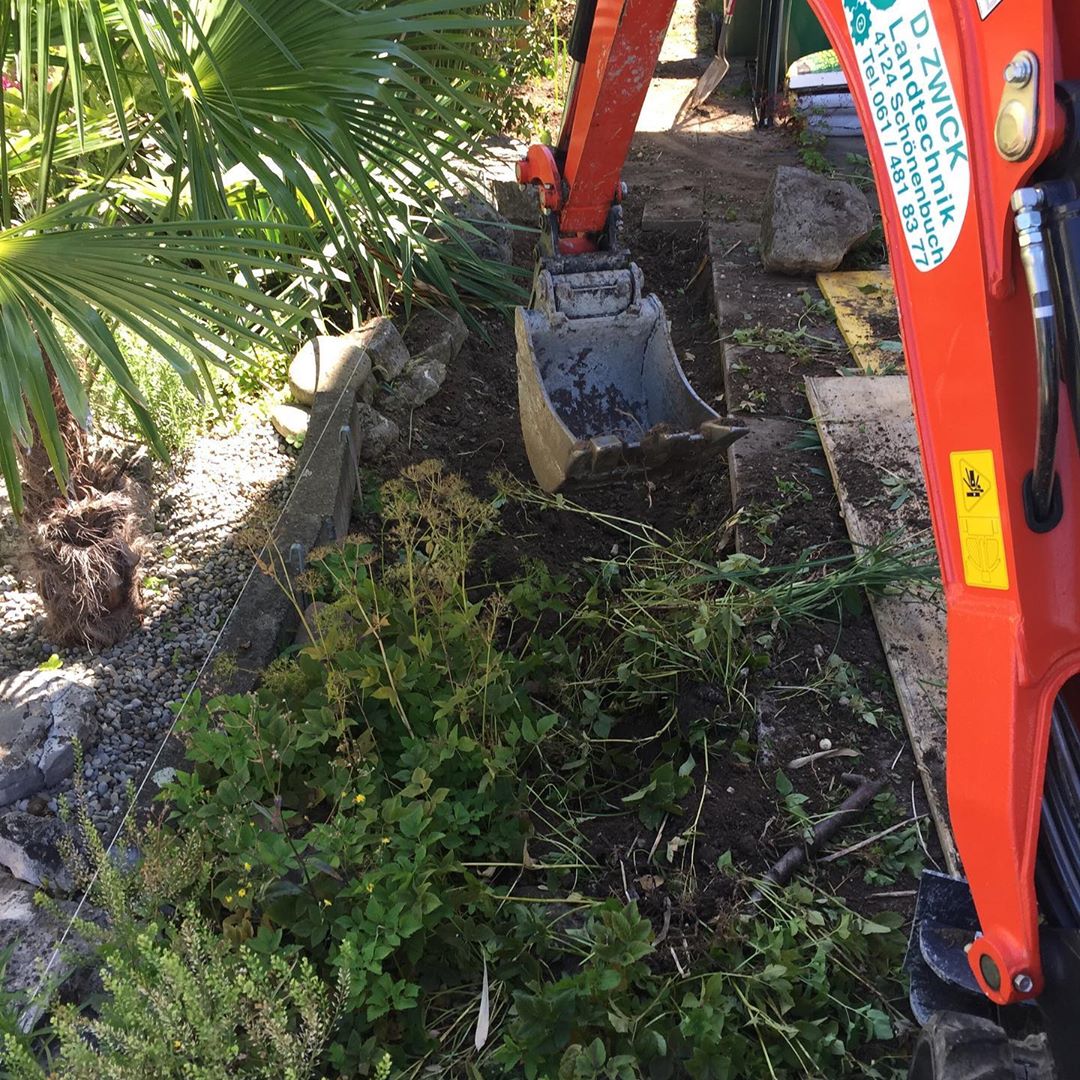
<point x="34" y="1009"/>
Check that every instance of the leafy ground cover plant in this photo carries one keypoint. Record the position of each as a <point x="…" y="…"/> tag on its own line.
<point x="401" y="812"/>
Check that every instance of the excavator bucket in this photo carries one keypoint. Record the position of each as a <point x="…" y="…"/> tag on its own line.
<point x="601" y="391"/>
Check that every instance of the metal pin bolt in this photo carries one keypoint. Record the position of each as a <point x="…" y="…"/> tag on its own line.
<point x="1023" y="982"/>
<point x="989" y="971"/>
<point x="1019" y="71"/>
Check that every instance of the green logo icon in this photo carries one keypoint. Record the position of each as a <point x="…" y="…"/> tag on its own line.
<point x="859" y="19"/>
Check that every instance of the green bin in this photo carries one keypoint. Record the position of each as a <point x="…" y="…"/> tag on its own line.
<point x="804" y="33"/>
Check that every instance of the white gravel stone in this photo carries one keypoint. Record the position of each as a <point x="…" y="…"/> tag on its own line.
<point x="290" y="421"/>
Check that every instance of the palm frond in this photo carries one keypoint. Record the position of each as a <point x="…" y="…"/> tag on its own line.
<point x="161" y="282"/>
<point x="118" y="149"/>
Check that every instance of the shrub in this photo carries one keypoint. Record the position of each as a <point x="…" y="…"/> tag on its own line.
<point x="397" y="813"/>
<point x="184" y="994"/>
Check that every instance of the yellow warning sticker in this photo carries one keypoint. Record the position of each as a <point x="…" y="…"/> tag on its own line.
<point x="978" y="514"/>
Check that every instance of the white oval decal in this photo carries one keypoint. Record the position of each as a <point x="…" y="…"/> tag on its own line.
<point x="917" y="120"/>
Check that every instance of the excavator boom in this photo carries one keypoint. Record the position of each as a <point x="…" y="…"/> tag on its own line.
<point x="601" y="392"/>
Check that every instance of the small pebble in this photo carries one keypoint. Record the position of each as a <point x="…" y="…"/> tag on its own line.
<point x="825" y="744"/>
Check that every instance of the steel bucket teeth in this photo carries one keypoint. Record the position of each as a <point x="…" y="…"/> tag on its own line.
<point x="601" y="391"/>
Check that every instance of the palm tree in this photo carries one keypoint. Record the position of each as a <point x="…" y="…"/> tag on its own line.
<point x="206" y="174"/>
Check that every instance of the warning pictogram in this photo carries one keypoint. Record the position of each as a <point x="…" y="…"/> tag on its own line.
<point x="978" y="519"/>
<point x="975" y="484"/>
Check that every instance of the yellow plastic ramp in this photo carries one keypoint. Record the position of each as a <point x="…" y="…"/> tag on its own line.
<point x="865" y="307"/>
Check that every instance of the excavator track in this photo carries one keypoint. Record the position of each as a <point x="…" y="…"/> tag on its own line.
<point x="958" y="1046"/>
<point x="1057" y="872"/>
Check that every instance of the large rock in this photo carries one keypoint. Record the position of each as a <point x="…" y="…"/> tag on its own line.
<point x="492" y="167"/>
<point x="516" y="202"/>
<point x="30" y="934"/>
<point x="809" y="222"/>
<point x="42" y="714"/>
<point x="319" y="362"/>
<point x="377" y="432"/>
<point x="29" y="931"/>
<point x="31" y="850"/>
<point x="436" y="333"/>
<point x="328" y="625"/>
<point x="422" y="380"/>
<point x="380" y="338"/>
<point x="434" y="337"/>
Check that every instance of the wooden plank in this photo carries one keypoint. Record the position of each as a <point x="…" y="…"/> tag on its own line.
<point x="835" y="124"/>
<point x="865" y="307"/>
<point x="678" y="210"/>
<point x="868" y="433"/>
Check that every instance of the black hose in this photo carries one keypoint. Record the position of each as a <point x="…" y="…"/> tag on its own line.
<point x="1030" y="205"/>
<point x="581" y="30"/>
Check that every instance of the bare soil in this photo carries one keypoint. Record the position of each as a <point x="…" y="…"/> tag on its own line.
<point x="473" y="427"/>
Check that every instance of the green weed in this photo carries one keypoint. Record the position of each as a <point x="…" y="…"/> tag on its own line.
<point x="390" y="836"/>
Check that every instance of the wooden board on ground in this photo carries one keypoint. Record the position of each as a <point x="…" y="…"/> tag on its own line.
<point x="868" y="433"/>
<point x="865" y="306"/>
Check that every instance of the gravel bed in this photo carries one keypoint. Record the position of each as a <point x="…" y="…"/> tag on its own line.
<point x="210" y="510"/>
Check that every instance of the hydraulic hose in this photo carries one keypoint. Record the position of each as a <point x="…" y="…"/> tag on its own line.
<point x="581" y="29"/>
<point x="1029" y="204"/>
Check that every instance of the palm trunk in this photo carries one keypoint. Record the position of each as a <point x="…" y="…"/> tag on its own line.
<point x="85" y="544"/>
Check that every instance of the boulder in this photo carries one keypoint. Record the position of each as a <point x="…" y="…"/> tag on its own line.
<point x="377" y="432"/>
<point x="319" y="363"/>
<point x="309" y="621"/>
<point x="810" y="222"/>
<point x="30" y="934"/>
<point x="516" y="202"/>
<point x="422" y="380"/>
<point x="387" y="352"/>
<point x="290" y="422"/>
<point x="327" y="624"/>
<point x="42" y="714"/>
<point x="30" y="848"/>
<point x="492" y="165"/>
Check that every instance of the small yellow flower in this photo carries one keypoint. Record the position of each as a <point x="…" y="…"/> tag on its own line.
<point x="359" y="798"/>
<point x="176" y="1044"/>
<point x="326" y="903"/>
<point x="228" y="899"/>
<point x="370" y="886"/>
<point x="247" y="866"/>
<point x="386" y="839"/>
<point x="241" y="893"/>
